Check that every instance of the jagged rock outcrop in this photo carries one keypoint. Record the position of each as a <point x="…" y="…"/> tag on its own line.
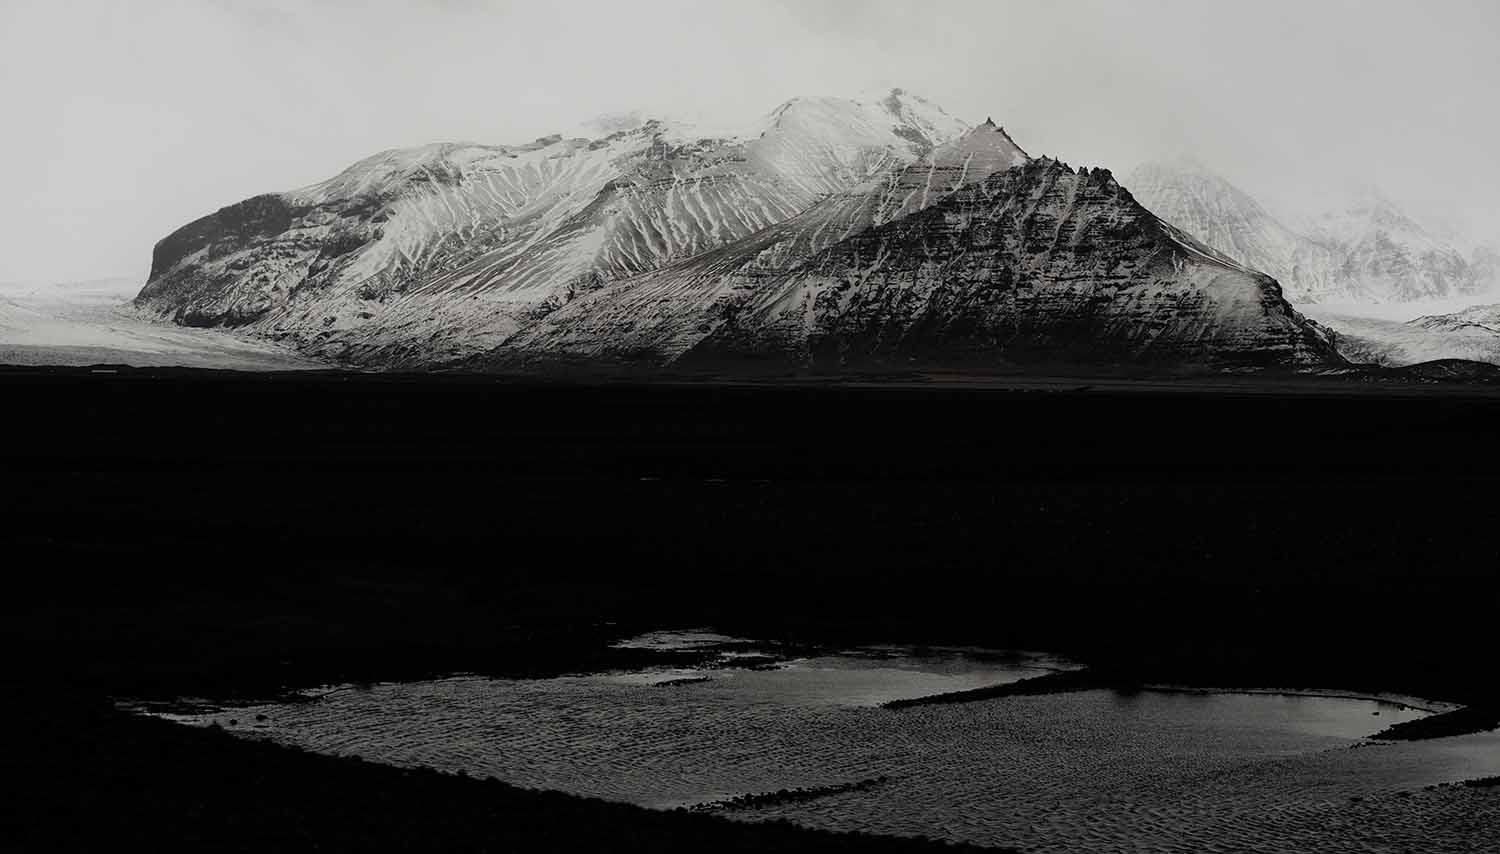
<point x="1037" y="263"/>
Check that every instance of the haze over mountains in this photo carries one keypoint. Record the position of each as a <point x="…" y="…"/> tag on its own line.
<point x="827" y="233"/>
<point x="1384" y="284"/>
<point x="1362" y="249"/>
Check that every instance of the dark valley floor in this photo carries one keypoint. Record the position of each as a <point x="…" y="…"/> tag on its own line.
<point x="214" y="534"/>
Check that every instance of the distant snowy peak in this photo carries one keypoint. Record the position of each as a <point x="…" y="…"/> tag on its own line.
<point x="1366" y="214"/>
<point x="826" y="145"/>
<point x="1367" y="251"/>
<point x="1485" y="261"/>
<point x="1186" y="194"/>
<point x="1388" y="257"/>
<point x="1188" y="186"/>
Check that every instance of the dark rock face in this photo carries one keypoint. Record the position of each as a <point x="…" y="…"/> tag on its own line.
<point x="204" y="268"/>
<point x="219" y="233"/>
<point x="1037" y="263"/>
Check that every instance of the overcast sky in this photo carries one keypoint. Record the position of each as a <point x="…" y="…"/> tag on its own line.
<point x="125" y="120"/>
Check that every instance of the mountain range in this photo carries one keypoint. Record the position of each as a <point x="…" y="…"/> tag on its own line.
<point x="828" y="233"/>
<point x="1365" y="249"/>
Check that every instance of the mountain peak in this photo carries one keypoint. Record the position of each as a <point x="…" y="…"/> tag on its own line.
<point x="989" y="127"/>
<point x="983" y="150"/>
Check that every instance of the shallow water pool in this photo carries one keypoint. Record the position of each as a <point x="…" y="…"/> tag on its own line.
<point x="1090" y="770"/>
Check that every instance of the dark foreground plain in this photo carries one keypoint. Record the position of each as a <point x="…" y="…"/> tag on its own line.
<point x="222" y="535"/>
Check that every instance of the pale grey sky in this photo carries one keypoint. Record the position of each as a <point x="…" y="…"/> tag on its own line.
<point x="125" y="120"/>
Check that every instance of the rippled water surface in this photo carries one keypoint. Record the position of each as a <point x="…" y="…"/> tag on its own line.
<point x="1091" y="770"/>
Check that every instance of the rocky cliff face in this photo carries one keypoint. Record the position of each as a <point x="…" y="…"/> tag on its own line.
<point x="1036" y="263"/>
<point x="830" y="232"/>
<point x="1369" y="251"/>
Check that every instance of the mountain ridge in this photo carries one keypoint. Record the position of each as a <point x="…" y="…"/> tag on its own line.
<point x="636" y="244"/>
<point x="994" y="274"/>
<point x="355" y="267"/>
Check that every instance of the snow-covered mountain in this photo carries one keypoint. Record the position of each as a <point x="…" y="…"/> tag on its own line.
<point x="1188" y="195"/>
<point x="440" y="251"/>
<point x="1386" y="256"/>
<point x="657" y="316"/>
<point x="1035" y="263"/>
<point x="1366" y="250"/>
<point x="829" y="231"/>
